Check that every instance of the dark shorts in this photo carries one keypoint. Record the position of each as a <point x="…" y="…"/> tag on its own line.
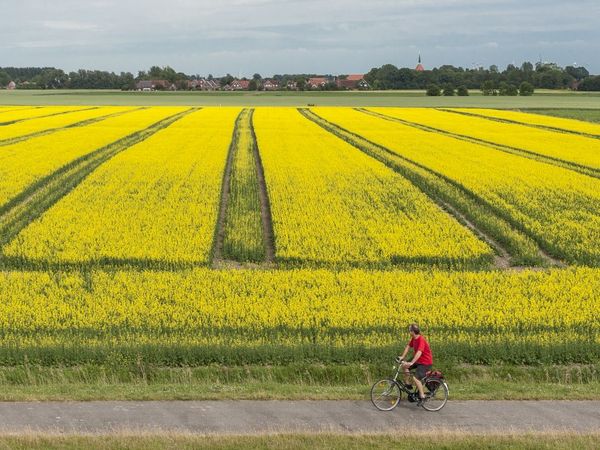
<point x="420" y="370"/>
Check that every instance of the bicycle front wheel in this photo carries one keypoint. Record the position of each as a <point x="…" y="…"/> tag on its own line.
<point x="436" y="394"/>
<point x="385" y="395"/>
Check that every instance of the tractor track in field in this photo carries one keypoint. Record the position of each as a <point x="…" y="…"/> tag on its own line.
<point x="20" y="109"/>
<point x="83" y="123"/>
<point x="517" y="122"/>
<point x="265" y="204"/>
<point x="557" y="162"/>
<point x="218" y="259"/>
<point x="36" y="199"/>
<point x="10" y="122"/>
<point x="219" y="236"/>
<point x="503" y="260"/>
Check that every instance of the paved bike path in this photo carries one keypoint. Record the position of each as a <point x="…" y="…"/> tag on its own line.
<point x="255" y="417"/>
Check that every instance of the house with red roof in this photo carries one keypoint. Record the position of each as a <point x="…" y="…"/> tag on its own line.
<point x="354" y="81"/>
<point x="204" y="84"/>
<point x="270" y="85"/>
<point x="316" y="82"/>
<point x="240" y="85"/>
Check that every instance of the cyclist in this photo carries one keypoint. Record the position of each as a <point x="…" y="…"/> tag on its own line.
<point x="421" y="362"/>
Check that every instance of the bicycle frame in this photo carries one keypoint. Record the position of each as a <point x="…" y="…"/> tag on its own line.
<point x="400" y="384"/>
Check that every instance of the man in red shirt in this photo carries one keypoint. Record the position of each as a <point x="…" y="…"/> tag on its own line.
<point x="422" y="359"/>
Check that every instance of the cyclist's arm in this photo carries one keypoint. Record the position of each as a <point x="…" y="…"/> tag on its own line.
<point x="405" y="352"/>
<point x="416" y="357"/>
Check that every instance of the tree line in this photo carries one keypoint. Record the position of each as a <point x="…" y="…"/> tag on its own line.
<point x="446" y="78"/>
<point x="491" y="80"/>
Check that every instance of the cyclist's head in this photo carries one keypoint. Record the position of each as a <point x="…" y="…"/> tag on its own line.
<point x="414" y="328"/>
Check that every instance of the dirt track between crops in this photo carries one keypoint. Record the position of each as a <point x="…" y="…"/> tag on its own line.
<point x="260" y="417"/>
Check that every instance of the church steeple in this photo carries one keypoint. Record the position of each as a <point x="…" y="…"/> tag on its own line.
<point x="420" y="67"/>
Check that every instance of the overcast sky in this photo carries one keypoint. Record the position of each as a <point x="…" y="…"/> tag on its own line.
<point x="289" y="36"/>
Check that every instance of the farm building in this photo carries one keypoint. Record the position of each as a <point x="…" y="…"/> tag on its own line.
<point x="355" y="81"/>
<point x="270" y="85"/>
<point x="11" y="86"/>
<point x="240" y="85"/>
<point x="204" y="84"/>
<point x="316" y="82"/>
<point x="153" y="85"/>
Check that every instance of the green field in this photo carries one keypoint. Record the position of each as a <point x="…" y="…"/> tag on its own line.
<point x="542" y="99"/>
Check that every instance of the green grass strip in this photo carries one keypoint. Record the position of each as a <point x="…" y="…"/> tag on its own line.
<point x="521" y="248"/>
<point x="120" y="346"/>
<point x="137" y="380"/>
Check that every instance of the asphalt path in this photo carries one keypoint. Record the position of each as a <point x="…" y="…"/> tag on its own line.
<point x="273" y="416"/>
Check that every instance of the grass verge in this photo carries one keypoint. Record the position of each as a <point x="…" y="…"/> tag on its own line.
<point x="292" y="382"/>
<point x="399" y="440"/>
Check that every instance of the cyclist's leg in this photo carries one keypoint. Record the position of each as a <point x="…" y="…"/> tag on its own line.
<point x="418" y="376"/>
<point x="407" y="375"/>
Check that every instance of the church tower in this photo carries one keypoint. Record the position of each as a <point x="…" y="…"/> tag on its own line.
<point x="420" y="67"/>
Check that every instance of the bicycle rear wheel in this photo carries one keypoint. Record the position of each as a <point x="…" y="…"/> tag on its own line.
<point x="436" y="394"/>
<point x="385" y="395"/>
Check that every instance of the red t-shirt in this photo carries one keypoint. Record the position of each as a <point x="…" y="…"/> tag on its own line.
<point x="420" y="344"/>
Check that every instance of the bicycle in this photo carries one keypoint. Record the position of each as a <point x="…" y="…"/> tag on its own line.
<point x="387" y="393"/>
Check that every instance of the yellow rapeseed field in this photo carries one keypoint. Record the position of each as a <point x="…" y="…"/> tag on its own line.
<point x="578" y="126"/>
<point x="5" y="109"/>
<point x="557" y="206"/>
<point x="26" y="162"/>
<point x="333" y="204"/>
<point x="465" y="314"/>
<point x="568" y="147"/>
<point x="361" y="251"/>
<point x="155" y="202"/>
<point x="45" y="123"/>
<point x="24" y="114"/>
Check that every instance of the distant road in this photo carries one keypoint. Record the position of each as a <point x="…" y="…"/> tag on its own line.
<point x="255" y="417"/>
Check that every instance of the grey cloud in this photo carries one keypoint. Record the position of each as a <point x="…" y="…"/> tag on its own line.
<point x="275" y="36"/>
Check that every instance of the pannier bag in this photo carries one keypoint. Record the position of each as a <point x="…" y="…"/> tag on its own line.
<point x="433" y="374"/>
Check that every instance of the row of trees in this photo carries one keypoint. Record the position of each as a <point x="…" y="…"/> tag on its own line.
<point x="488" y="88"/>
<point x="590" y="84"/>
<point x="542" y="75"/>
<point x="52" y="78"/>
